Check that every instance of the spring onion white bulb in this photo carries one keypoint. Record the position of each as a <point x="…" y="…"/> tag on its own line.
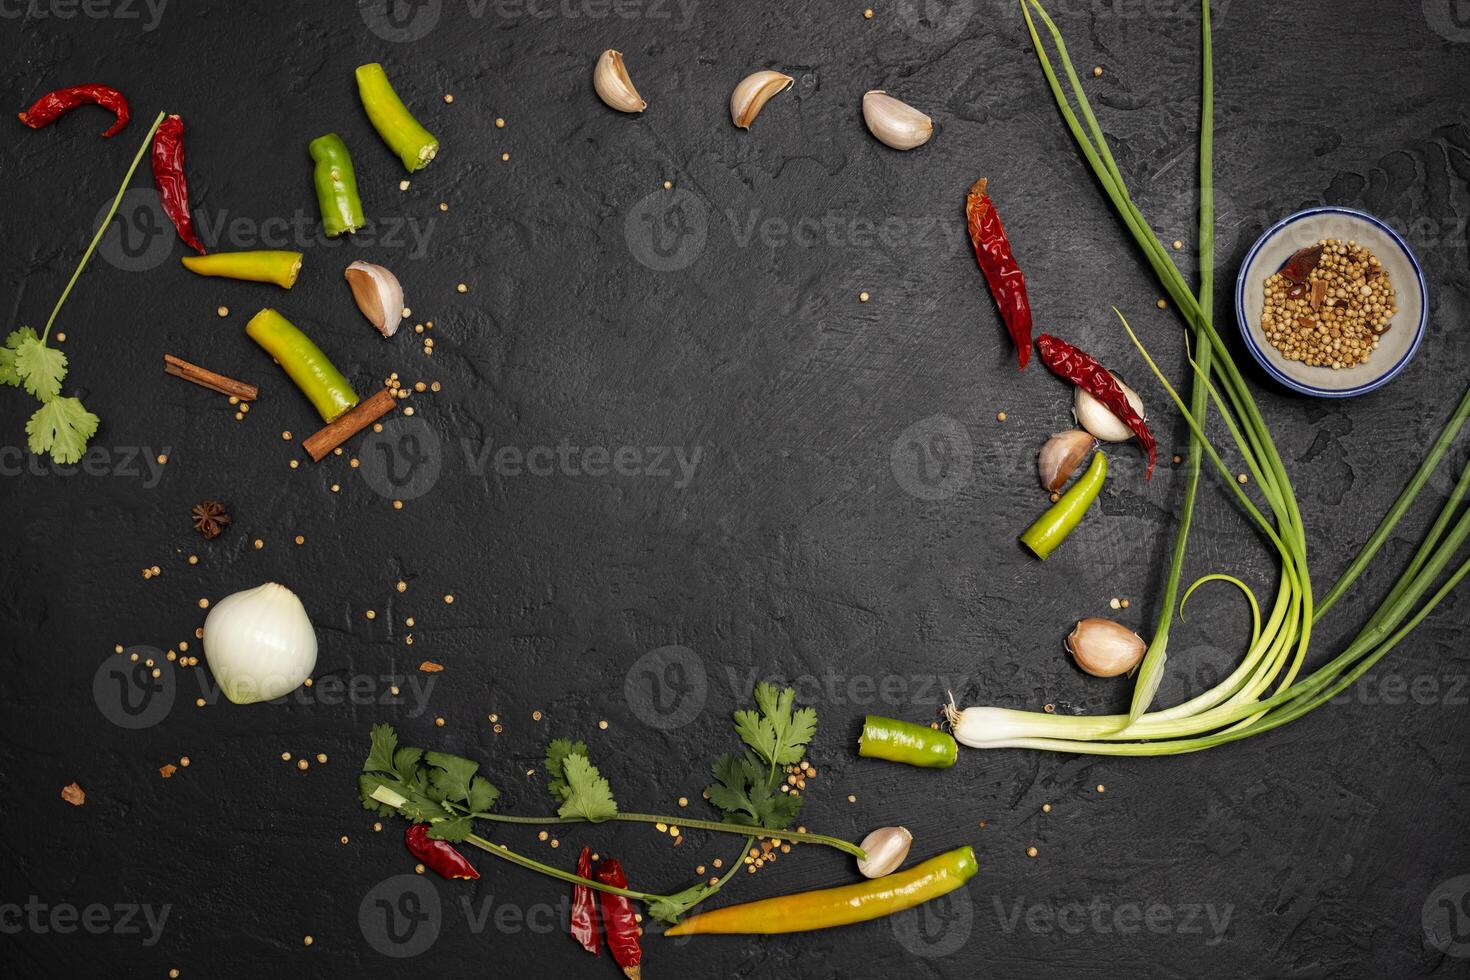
<point x="259" y="643"/>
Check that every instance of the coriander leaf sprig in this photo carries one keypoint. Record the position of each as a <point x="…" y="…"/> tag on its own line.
<point x="61" y="426"/>
<point x="447" y="793"/>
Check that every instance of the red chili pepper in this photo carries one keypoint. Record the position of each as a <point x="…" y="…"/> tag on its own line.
<point x="584" y="908"/>
<point x="437" y="855"/>
<point x="1002" y="273"/>
<point x="619" y="921"/>
<point x="53" y="105"/>
<point x="1301" y="263"/>
<point x="168" y="174"/>
<point x="1084" y="371"/>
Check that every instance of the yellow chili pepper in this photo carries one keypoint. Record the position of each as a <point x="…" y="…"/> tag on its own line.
<point x="280" y="268"/>
<point x="842" y="906"/>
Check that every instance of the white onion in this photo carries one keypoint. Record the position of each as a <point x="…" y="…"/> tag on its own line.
<point x="259" y="644"/>
<point x="1098" y="419"/>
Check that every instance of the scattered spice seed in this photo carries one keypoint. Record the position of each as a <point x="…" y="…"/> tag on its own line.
<point x="536" y="715"/>
<point x="307" y="940"/>
<point x="439" y="722"/>
<point x="602" y="725"/>
<point x="1115" y="603"/>
<point x="1097" y="71"/>
<point x="198" y="702"/>
<point x="863" y="296"/>
<point x="504" y="156"/>
<point x="1031" y="852"/>
<point x="259" y="544"/>
<point x="344" y="838"/>
<point x="300" y="539"/>
<point x="1178" y="244"/>
<point x="1101" y="788"/>
<point x="1162" y="304"/>
<point x="302" y="764"/>
<point x="448" y="97"/>
<point x="403" y="185"/>
<point x="321" y="757"/>
<point x="1242" y="478"/>
<point x="1000" y="416"/>
<point x="60" y="337"/>
<point x="1046" y="808"/>
<point x="462" y="288"/>
<point x="203" y="604"/>
<point x="184" y="761"/>
<point x="73" y="794"/>
<point x="402" y="586"/>
<point x="868" y="14"/>
<point x="499" y="123"/>
<point x="449" y="599"/>
<point x="372" y="614"/>
<point x="223" y="311"/>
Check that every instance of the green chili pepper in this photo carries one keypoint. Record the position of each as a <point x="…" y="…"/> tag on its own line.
<point x="277" y="267"/>
<point x="303" y="362"/>
<point x="414" y="144"/>
<point x="1052" y="528"/>
<point x="842" y="906"/>
<point x="336" y="186"/>
<point x="904" y="741"/>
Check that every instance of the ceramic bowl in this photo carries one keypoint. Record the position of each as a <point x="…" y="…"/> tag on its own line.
<point x="1395" y="348"/>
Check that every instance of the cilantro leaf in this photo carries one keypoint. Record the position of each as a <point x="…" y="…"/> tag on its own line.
<point x="743" y="790"/>
<point x="556" y="756"/>
<point x="668" y="909"/>
<point x="416" y="806"/>
<point x="8" y="374"/>
<point x="454" y="830"/>
<point x="41" y="368"/>
<point x="380" y="756"/>
<point x="776" y="733"/>
<point x="450" y="776"/>
<point x="61" y="427"/>
<point x="483" y="795"/>
<point x="588" y="796"/>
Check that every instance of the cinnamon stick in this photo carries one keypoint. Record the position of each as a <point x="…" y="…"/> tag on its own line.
<point x="180" y="368"/>
<point x="349" y="424"/>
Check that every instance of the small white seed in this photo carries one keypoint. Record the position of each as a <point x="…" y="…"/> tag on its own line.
<point x="895" y="123"/>
<point x="753" y="92"/>
<point x="610" y="79"/>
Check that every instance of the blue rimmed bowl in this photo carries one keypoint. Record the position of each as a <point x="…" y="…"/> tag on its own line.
<point x="1395" y="348"/>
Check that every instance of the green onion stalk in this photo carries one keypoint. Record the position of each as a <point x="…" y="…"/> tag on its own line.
<point x="1267" y="688"/>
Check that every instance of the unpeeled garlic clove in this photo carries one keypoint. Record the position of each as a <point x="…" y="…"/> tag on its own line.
<point x="895" y="123"/>
<point x="753" y="92"/>
<point x="1098" y="419"/>
<point x="886" y="848"/>
<point x="378" y="295"/>
<point x="1061" y="456"/>
<point x="1104" y="648"/>
<point x="610" y="79"/>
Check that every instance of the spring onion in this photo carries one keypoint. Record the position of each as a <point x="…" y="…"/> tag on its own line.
<point x="1240" y="706"/>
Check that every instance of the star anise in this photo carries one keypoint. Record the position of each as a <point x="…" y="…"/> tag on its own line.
<point x="210" y="518"/>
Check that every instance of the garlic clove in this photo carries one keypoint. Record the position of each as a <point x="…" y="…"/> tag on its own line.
<point x="1061" y="456"/>
<point x="1098" y="419"/>
<point x="895" y="123"/>
<point x="378" y="295"/>
<point x="1104" y="648"/>
<point x="610" y="79"/>
<point x="259" y="644"/>
<point x="886" y="848"/>
<point x="753" y="92"/>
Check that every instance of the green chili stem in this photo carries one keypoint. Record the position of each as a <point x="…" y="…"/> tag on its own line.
<point x="102" y="229"/>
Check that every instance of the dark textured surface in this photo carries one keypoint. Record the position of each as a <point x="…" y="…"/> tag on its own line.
<point x="794" y="548"/>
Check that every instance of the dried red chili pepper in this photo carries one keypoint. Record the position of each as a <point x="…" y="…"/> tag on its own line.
<point x="53" y="105"/>
<point x="437" y="855"/>
<point x="1002" y="273"/>
<point x="1301" y="263"/>
<point x="584" y="908"/>
<point x="1084" y="371"/>
<point x="168" y="174"/>
<point x="619" y="921"/>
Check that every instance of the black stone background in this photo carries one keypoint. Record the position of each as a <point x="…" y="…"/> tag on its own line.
<point x="794" y="552"/>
